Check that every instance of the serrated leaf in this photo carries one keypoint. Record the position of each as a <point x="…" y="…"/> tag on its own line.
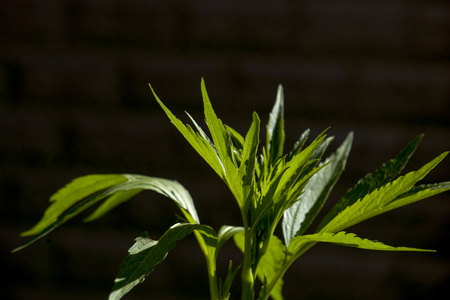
<point x="110" y="203"/>
<point x="378" y="201"/>
<point x="248" y="162"/>
<point x="300" y="215"/>
<point x="198" y="141"/>
<point x="298" y="146"/>
<point x="418" y="193"/>
<point x="294" y="167"/>
<point x="169" y="188"/>
<point x="237" y="138"/>
<point x="71" y="194"/>
<point x="371" y="182"/>
<point x="277" y="190"/>
<point x="222" y="143"/>
<point x="146" y="254"/>
<point x="346" y="239"/>
<point x="275" y="128"/>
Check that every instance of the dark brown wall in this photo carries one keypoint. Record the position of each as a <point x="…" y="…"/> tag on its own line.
<point x="74" y="100"/>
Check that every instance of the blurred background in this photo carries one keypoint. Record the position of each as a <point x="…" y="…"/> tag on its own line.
<point x="74" y="100"/>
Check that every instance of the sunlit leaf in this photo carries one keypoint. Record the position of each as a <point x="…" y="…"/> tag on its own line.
<point x="299" y="216"/>
<point x="60" y="212"/>
<point x="198" y="141"/>
<point x="346" y="239"/>
<point x="66" y="197"/>
<point x="275" y="128"/>
<point x="146" y="254"/>
<point x="226" y="232"/>
<point x="418" y="193"/>
<point x="378" y="201"/>
<point x="371" y="182"/>
<point x="247" y="167"/>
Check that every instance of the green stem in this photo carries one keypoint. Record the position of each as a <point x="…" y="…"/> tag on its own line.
<point x="213" y="288"/>
<point x="247" y="273"/>
<point x="211" y="267"/>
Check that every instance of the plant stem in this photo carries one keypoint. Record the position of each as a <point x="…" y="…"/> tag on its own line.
<point x="211" y="267"/>
<point x="247" y="274"/>
<point x="213" y="288"/>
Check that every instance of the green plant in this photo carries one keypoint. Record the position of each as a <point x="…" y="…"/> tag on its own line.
<point x="269" y="188"/>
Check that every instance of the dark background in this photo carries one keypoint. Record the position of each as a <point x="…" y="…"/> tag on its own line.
<point x="74" y="100"/>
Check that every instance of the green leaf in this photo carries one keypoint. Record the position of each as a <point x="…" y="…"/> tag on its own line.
<point x="110" y="203"/>
<point x="223" y="146"/>
<point x="146" y="254"/>
<point x="371" y="182"/>
<point x="225" y="233"/>
<point x="270" y="263"/>
<point x="292" y="169"/>
<point x="300" y="215"/>
<point x="211" y="244"/>
<point x="298" y="146"/>
<point x="347" y="239"/>
<point x="418" y="193"/>
<point x="169" y="188"/>
<point x="378" y="201"/>
<point x="199" y="141"/>
<point x="77" y="195"/>
<point x="225" y="287"/>
<point x="275" y="128"/>
<point x="237" y="138"/>
<point x="66" y="197"/>
<point x="248" y="160"/>
<point x="237" y="145"/>
<point x="277" y="191"/>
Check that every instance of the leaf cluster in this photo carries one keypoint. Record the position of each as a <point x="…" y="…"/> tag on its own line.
<point x="271" y="188"/>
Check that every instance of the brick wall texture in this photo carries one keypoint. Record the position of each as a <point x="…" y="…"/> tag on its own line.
<point x="74" y="100"/>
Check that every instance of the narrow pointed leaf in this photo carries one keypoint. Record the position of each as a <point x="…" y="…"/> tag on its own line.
<point x="197" y="140"/>
<point x="133" y="184"/>
<point x="222" y="143"/>
<point x="371" y="182"/>
<point x="294" y="167"/>
<point x="378" y="201"/>
<point x="275" y="128"/>
<point x="299" y="216"/>
<point x="146" y="254"/>
<point x="279" y="187"/>
<point x="69" y="195"/>
<point x="169" y="188"/>
<point x="218" y="131"/>
<point x="110" y="203"/>
<point x="237" y="138"/>
<point x="317" y="156"/>
<point x="298" y="146"/>
<point x="418" y="193"/>
<point x="348" y="239"/>
<point x="248" y="161"/>
<point x="225" y="287"/>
